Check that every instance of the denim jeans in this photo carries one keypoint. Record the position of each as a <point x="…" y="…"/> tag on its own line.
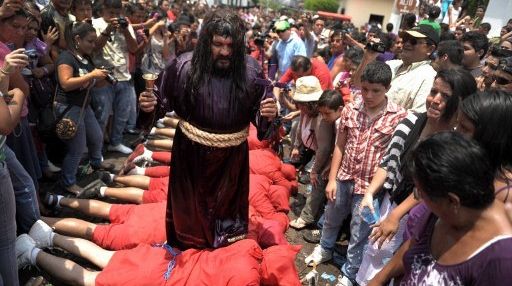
<point x="119" y="99"/>
<point x="314" y="202"/>
<point x="88" y="134"/>
<point x="27" y="207"/>
<point x="335" y="213"/>
<point x="8" y="269"/>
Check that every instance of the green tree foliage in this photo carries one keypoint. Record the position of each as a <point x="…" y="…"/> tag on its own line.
<point x="321" y="5"/>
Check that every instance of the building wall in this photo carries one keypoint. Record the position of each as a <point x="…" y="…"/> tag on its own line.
<point x="360" y="10"/>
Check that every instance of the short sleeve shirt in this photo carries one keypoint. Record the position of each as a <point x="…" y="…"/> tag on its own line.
<point x="80" y="68"/>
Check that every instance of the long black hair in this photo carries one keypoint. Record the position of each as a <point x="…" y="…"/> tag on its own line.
<point x="491" y="114"/>
<point x="223" y="23"/>
<point x="462" y="83"/>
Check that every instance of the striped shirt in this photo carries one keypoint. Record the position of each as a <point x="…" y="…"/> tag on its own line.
<point x="391" y="160"/>
<point x="366" y="141"/>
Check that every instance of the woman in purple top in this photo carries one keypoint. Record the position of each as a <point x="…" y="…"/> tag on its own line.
<point x="466" y="240"/>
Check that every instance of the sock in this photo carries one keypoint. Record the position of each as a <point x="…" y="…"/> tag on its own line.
<point x="153" y="131"/>
<point x="147" y="153"/>
<point x="112" y="176"/>
<point x="33" y="255"/>
<point x="52" y="235"/>
<point x="102" y="191"/>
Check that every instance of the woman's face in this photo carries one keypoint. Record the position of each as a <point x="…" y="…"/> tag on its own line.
<point x="86" y="44"/>
<point x="464" y="125"/>
<point x="32" y="30"/>
<point x="437" y="99"/>
<point x="13" y="30"/>
<point x="336" y="44"/>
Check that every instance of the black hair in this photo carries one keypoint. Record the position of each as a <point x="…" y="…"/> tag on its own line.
<point x="389" y="27"/>
<point x="131" y="8"/>
<point x="408" y="20"/>
<point x="112" y="4"/>
<point x="477" y="40"/>
<point x="354" y="54"/>
<point x="331" y="99"/>
<point x="485" y="26"/>
<point x="300" y="63"/>
<point x="434" y="12"/>
<point x="76" y="3"/>
<point x="80" y="29"/>
<point x="223" y="23"/>
<point x="377" y="72"/>
<point x="447" y="162"/>
<point x="446" y="36"/>
<point x="453" y="49"/>
<point x="491" y="114"/>
<point x="462" y="84"/>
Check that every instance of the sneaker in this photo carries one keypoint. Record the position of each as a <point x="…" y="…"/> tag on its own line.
<point x="139" y="150"/>
<point x="52" y="168"/>
<point x="313" y="236"/>
<point x="106" y="177"/>
<point x="42" y="234"/>
<point x="24" y="246"/>
<point x="318" y="256"/>
<point x="92" y="190"/>
<point x="298" y="223"/>
<point x="120" y="148"/>
<point x="51" y="201"/>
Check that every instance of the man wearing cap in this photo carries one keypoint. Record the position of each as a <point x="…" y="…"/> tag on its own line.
<point x="288" y="46"/>
<point x="413" y="75"/>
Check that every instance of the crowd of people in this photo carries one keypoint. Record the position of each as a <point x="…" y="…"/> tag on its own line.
<point x="403" y="138"/>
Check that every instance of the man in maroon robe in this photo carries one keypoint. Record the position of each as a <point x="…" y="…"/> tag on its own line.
<point x="213" y="91"/>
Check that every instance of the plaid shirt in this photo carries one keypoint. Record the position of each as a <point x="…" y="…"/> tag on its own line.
<point x="367" y="141"/>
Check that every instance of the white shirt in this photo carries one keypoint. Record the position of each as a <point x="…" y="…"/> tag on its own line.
<point x="410" y="88"/>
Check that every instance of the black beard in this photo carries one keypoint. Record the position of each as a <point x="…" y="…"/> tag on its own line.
<point x="221" y="71"/>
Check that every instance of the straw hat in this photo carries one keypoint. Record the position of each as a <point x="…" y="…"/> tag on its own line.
<point x="307" y="89"/>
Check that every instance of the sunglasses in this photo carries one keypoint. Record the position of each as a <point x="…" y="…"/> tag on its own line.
<point x="280" y="31"/>
<point x="411" y="40"/>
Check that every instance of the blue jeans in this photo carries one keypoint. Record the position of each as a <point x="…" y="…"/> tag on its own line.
<point x="119" y="99"/>
<point x="88" y="134"/>
<point x="8" y="269"/>
<point x="27" y="207"/>
<point x="335" y="213"/>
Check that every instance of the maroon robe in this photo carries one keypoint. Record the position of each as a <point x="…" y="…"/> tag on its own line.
<point x="208" y="196"/>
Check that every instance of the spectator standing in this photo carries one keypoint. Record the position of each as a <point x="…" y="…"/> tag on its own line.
<point x="288" y="46"/>
<point x="475" y="48"/>
<point x="116" y="39"/>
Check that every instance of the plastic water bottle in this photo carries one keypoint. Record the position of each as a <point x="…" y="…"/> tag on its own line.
<point x="369" y="217"/>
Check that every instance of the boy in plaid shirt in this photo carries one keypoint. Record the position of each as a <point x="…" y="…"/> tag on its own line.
<point x="365" y="130"/>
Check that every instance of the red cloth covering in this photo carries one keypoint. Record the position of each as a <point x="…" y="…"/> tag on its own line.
<point x="233" y="265"/>
<point x="278" y="266"/>
<point x="266" y="162"/>
<point x="279" y="197"/>
<point x="318" y="69"/>
<point x="157" y="191"/>
<point x="157" y="172"/>
<point x="266" y="232"/>
<point x="259" y="199"/>
<point x="253" y="141"/>
<point x="132" y="225"/>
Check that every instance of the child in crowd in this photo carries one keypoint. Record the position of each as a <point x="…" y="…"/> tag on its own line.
<point x="363" y="135"/>
<point x="351" y="60"/>
<point x="329" y="105"/>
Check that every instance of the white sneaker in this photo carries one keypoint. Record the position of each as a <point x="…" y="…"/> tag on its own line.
<point x="42" y="234"/>
<point x="120" y="148"/>
<point x="318" y="256"/>
<point x="298" y="223"/>
<point x="24" y="246"/>
<point x="52" y="168"/>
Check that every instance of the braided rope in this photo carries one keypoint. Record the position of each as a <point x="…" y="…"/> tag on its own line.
<point x="213" y="139"/>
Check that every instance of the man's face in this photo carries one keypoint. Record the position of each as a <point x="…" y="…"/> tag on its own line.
<point x="373" y="94"/>
<point x="109" y="13"/>
<point x="479" y="13"/>
<point x="221" y="51"/>
<point x="284" y="35"/>
<point x="319" y="26"/>
<point x="328" y="114"/>
<point x="415" y="49"/>
<point x="458" y="35"/>
<point x="82" y="12"/>
<point x="397" y="46"/>
<point x="471" y="56"/>
<point x="62" y="5"/>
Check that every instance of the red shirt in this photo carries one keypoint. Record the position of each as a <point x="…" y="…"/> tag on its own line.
<point x="318" y="69"/>
<point x="367" y="141"/>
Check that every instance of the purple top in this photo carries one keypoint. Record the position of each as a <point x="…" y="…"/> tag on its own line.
<point x="490" y="265"/>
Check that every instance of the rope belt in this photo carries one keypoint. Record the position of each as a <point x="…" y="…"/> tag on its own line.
<point x="213" y="139"/>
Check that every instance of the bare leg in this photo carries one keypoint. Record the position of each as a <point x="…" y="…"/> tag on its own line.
<point x="160" y="144"/>
<point x="166" y="132"/>
<point x="93" y="208"/>
<point x="66" y="270"/>
<point x="171" y="122"/>
<point x="71" y="226"/>
<point x="137" y="181"/>
<point x="84" y="248"/>
<point x="132" y="195"/>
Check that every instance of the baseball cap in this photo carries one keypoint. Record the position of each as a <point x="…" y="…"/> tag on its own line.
<point x="282" y="25"/>
<point x="425" y="32"/>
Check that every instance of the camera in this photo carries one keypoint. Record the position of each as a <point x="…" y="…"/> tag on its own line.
<point x="31" y="54"/>
<point x="376" y="47"/>
<point x="110" y="78"/>
<point x="123" y="23"/>
<point x="260" y="38"/>
<point x="506" y="65"/>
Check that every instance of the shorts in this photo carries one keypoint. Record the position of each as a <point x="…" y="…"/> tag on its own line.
<point x="157" y="191"/>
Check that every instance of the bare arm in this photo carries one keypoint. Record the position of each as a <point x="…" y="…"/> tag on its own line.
<point x="10" y="113"/>
<point x="68" y="82"/>
<point x="337" y="156"/>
